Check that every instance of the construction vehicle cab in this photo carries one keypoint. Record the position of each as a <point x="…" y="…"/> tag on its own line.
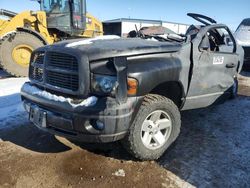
<point x="67" y="16"/>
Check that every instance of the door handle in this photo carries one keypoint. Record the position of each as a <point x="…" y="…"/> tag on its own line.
<point x="231" y="65"/>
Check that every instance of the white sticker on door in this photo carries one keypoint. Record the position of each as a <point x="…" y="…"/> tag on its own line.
<point x="218" y="60"/>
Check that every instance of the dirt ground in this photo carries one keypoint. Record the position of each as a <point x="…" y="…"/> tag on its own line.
<point x="211" y="151"/>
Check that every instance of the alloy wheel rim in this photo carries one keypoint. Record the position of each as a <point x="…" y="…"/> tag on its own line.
<point x="156" y="129"/>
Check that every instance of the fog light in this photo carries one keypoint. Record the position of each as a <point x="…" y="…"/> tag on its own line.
<point x="98" y="125"/>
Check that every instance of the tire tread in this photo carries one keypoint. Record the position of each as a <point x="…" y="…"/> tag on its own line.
<point x="132" y="146"/>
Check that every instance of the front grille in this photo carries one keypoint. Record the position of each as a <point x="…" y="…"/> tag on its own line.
<point x="56" y="70"/>
<point x="63" y="61"/>
<point x="66" y="81"/>
<point x="36" y="73"/>
<point x="36" y="67"/>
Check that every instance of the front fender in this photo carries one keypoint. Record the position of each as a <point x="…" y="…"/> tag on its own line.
<point x="153" y="71"/>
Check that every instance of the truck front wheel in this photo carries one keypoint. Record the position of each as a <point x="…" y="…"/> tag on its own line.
<point x="155" y="128"/>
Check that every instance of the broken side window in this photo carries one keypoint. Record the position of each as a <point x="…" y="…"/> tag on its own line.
<point x="220" y="40"/>
<point x="225" y="43"/>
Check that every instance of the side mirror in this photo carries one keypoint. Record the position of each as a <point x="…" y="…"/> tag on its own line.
<point x="205" y="45"/>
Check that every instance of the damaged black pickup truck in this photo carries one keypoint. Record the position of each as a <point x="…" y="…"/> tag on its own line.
<point x="109" y="89"/>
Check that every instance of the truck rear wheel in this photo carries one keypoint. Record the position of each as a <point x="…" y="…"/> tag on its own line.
<point x="15" y="52"/>
<point x="155" y="128"/>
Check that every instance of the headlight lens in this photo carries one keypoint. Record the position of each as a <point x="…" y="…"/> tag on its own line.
<point x="102" y="84"/>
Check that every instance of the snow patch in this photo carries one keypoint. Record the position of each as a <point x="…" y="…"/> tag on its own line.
<point x="152" y="39"/>
<point x="119" y="173"/>
<point x="10" y="100"/>
<point x="32" y="90"/>
<point x="90" y="41"/>
<point x="11" y="86"/>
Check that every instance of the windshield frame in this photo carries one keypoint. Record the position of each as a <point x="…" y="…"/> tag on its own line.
<point x="64" y="5"/>
<point x="74" y="11"/>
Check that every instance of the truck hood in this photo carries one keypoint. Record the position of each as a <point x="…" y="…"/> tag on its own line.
<point x="106" y="47"/>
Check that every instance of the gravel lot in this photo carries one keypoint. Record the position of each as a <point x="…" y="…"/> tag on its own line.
<point x="212" y="151"/>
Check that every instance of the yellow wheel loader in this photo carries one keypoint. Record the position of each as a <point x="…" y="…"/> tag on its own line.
<point x="57" y="20"/>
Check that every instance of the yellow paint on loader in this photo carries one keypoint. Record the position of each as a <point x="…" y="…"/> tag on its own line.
<point x="94" y="27"/>
<point x="37" y="22"/>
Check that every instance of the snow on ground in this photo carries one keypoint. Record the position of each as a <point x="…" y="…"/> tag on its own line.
<point x="10" y="100"/>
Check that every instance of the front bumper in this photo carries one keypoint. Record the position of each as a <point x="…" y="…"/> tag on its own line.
<point x="80" y="122"/>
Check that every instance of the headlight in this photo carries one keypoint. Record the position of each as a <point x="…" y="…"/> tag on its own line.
<point x="102" y="84"/>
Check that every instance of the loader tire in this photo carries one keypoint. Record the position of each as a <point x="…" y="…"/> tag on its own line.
<point x="15" y="52"/>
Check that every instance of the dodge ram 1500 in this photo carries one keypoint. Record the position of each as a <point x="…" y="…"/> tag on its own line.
<point x="109" y="89"/>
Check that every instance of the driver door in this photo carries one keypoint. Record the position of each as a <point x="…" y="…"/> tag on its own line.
<point x="214" y="67"/>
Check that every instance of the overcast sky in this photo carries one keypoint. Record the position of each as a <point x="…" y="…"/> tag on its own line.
<point x="230" y="12"/>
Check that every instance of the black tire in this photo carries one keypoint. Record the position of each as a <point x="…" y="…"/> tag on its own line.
<point x="234" y="89"/>
<point x="133" y="142"/>
<point x="7" y="46"/>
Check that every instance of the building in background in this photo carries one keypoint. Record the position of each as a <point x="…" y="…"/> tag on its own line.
<point x="123" y="26"/>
